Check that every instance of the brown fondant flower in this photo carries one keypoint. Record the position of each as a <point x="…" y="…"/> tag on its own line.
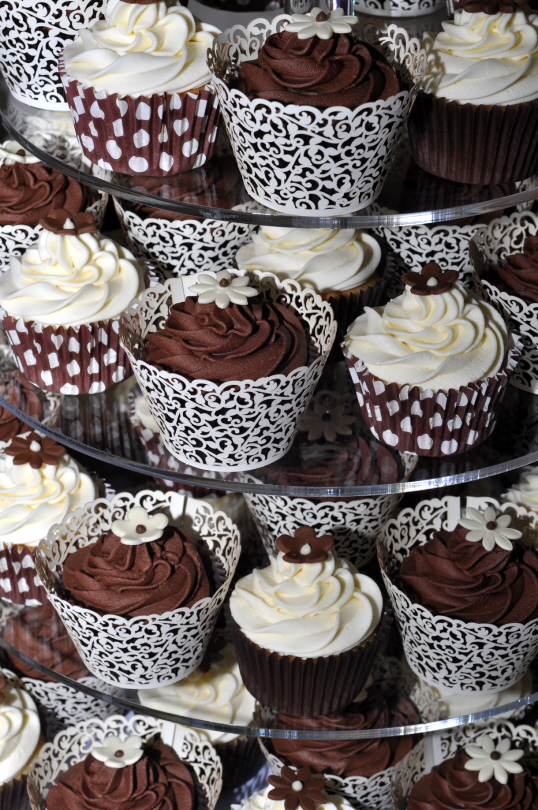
<point x="34" y="450"/>
<point x="305" y="546"/>
<point x="297" y="787"/>
<point x="432" y="280"/>
<point x="62" y="221"/>
<point x="491" y="6"/>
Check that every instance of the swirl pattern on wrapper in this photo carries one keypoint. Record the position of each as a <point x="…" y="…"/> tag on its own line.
<point x="258" y="439"/>
<point x="463" y="656"/>
<point x="145" y="651"/>
<point x="281" y="177"/>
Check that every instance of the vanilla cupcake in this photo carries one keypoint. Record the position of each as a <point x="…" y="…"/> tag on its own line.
<point x="20" y="729"/>
<point x="62" y="299"/>
<point x="525" y="491"/>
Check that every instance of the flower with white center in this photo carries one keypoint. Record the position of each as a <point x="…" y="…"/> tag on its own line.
<point x="223" y="290"/>
<point x="490" y="760"/>
<point x="489" y="528"/>
<point x="322" y="420"/>
<point x="318" y="24"/>
<point x="117" y="753"/>
<point x="139" y="527"/>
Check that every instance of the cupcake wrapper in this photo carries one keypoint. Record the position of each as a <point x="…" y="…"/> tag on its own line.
<point x="86" y="359"/>
<point x="306" y="686"/>
<point x="400" y="8"/>
<point x="241" y="760"/>
<point x="157" y="135"/>
<point x="19" y="582"/>
<point x="429" y="423"/>
<point x="265" y="412"/>
<point x="183" y="246"/>
<point x="146" y="651"/>
<point x="14" y="795"/>
<point x="73" y="745"/>
<point x="351" y="149"/>
<point x="476" y="144"/>
<point x="462" y="656"/>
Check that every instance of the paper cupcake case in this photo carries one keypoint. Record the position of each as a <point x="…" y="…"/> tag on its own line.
<point x="349" y="150"/>
<point x="75" y="743"/>
<point x="182" y="246"/>
<point x="19" y="582"/>
<point x="146" y="651"/>
<point x="157" y="135"/>
<point x="14" y="795"/>
<point x="436" y="748"/>
<point x="265" y="412"/>
<point x="503" y="237"/>
<point x="431" y="423"/>
<point x="462" y="656"/>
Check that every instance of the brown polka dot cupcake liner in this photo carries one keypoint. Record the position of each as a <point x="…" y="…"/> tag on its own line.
<point x="157" y="135"/>
<point x="431" y="423"/>
<point x="19" y="582"/>
<point x="84" y="359"/>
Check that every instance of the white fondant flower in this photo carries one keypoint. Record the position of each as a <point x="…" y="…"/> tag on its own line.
<point x="489" y="528"/>
<point x="322" y="420"/>
<point x="139" y="527"/>
<point x="223" y="290"/>
<point x="117" y="753"/>
<point x="308" y="25"/>
<point x="490" y="760"/>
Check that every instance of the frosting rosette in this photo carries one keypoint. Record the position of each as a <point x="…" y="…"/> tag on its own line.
<point x="519" y="271"/>
<point x="30" y="191"/>
<point x="324" y="259"/>
<point x="261" y="801"/>
<point x="141" y="50"/>
<point x="525" y="491"/>
<point x="487" y="59"/>
<point x="20" y="729"/>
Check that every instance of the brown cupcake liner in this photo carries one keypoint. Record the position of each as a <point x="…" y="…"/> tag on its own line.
<point x="84" y="359"/>
<point x="306" y="686"/>
<point x="477" y="144"/>
<point x="157" y="135"/>
<point x="14" y="795"/>
<point x="19" y="582"/>
<point x="241" y="759"/>
<point x="431" y="423"/>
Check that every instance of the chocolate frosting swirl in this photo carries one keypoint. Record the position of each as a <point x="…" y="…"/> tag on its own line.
<point x="30" y="192"/>
<point x="158" y="781"/>
<point x="22" y="394"/>
<point x="349" y="757"/>
<point x="151" y="578"/>
<point x="450" y="787"/>
<point x="318" y="72"/>
<point x="520" y="271"/>
<point x="39" y="633"/>
<point x="451" y="576"/>
<point x="247" y="342"/>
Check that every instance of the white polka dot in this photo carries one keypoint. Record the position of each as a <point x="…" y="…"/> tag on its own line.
<point x="123" y="106"/>
<point x="471" y="438"/>
<point x="93" y="367"/>
<point x="79" y="105"/>
<point x="96" y="110"/>
<point x="119" y="374"/>
<point x="14" y="338"/>
<point x="393" y="406"/>
<point x="138" y="164"/>
<point x="405" y="425"/>
<point x="166" y="162"/>
<point x="436" y="420"/>
<point x="37" y="346"/>
<point x="200" y="160"/>
<point x="143" y="111"/>
<point x="29" y="358"/>
<point x="73" y="345"/>
<point x="163" y="135"/>
<point x="103" y="337"/>
<point x="454" y="424"/>
<point x="190" y="147"/>
<point x="404" y="393"/>
<point x="100" y="94"/>
<point x="213" y="136"/>
<point x="69" y="388"/>
<point x="91" y="127"/>
<point x="425" y="442"/>
<point x="113" y="149"/>
<point x="57" y="340"/>
<point x="96" y="387"/>
<point x="181" y="125"/>
<point x="104" y="165"/>
<point x="73" y="368"/>
<point x="87" y="142"/>
<point x="53" y="360"/>
<point x="379" y="386"/>
<point x="416" y="410"/>
<point x="201" y="108"/>
<point x="160" y="110"/>
<point x="46" y="376"/>
<point x="390" y="438"/>
<point x="23" y="585"/>
<point x="141" y="138"/>
<point x="449" y="447"/>
<point x="110" y="356"/>
<point x="117" y="126"/>
<point x="175" y="102"/>
<point x="441" y="399"/>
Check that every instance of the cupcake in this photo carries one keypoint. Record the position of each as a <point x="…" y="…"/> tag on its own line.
<point x="307" y="628"/>
<point x="20" y="729"/>
<point x="214" y="692"/>
<point x="476" y="120"/>
<point x="138" y="595"/>
<point x="465" y="591"/>
<point x="431" y="367"/>
<point x="62" y="299"/>
<point x="325" y="87"/>
<point x="177" y="244"/>
<point x="330" y="452"/>
<point x="137" y="108"/>
<point x="295" y="788"/>
<point x="39" y="485"/>
<point x="255" y="345"/>
<point x="525" y="491"/>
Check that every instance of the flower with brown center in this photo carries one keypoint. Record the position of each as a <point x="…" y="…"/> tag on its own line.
<point x="34" y="450"/>
<point x="62" y="221"/>
<point x="432" y="280"/>
<point x="297" y="788"/>
<point x="305" y="546"/>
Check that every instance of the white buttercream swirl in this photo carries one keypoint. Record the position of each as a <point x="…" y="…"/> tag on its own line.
<point x="261" y="801"/>
<point x="142" y="49"/>
<point x="323" y="258"/>
<point x="525" y="491"/>
<point x="457" y="705"/>
<point x="20" y="730"/>
<point x="71" y="280"/>
<point x="31" y="501"/>
<point x="431" y="341"/>
<point x="485" y="59"/>
<point x="308" y="610"/>
<point x="217" y="695"/>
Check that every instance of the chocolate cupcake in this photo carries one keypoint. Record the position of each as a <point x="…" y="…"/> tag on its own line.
<point x="22" y="395"/>
<point x="518" y="273"/>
